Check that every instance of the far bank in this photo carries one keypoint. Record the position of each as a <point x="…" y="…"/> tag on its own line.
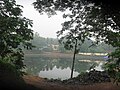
<point x="69" y="55"/>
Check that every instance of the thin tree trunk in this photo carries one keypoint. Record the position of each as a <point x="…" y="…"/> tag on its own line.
<point x="74" y="59"/>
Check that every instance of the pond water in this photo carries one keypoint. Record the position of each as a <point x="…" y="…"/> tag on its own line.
<point x="59" y="68"/>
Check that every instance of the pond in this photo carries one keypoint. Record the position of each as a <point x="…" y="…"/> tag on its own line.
<point x="58" y="68"/>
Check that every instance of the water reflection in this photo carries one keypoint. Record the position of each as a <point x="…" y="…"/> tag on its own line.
<point x="57" y="73"/>
<point x="56" y="68"/>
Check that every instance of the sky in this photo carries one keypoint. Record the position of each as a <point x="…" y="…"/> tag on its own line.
<point x="46" y="27"/>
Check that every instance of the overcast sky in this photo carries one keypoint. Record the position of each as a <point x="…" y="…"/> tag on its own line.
<point x="46" y="27"/>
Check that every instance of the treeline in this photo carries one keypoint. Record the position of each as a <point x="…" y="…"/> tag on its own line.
<point x="88" y="46"/>
<point x="43" y="44"/>
<point x="51" y="44"/>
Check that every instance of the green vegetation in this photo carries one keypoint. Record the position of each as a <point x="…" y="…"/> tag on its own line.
<point x="45" y="45"/>
<point x="14" y="31"/>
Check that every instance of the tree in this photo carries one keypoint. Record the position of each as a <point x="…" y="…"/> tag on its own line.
<point x="73" y="34"/>
<point x="109" y="7"/>
<point x="101" y="21"/>
<point x="14" y="31"/>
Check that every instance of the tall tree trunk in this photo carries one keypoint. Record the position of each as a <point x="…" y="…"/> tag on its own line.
<point x="73" y="63"/>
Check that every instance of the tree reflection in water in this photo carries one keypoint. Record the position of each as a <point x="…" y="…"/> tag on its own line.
<point x="55" y="68"/>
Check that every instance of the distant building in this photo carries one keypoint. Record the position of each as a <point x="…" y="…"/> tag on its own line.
<point x="55" y="47"/>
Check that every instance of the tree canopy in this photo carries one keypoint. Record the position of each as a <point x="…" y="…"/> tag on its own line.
<point x="101" y="15"/>
<point x="14" y="31"/>
<point x="109" y="8"/>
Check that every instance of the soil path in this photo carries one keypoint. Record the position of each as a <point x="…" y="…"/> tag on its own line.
<point x="45" y="85"/>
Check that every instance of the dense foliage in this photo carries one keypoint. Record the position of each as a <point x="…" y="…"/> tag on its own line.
<point x="14" y="31"/>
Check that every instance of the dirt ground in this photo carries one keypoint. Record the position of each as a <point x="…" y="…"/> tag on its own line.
<point x="43" y="84"/>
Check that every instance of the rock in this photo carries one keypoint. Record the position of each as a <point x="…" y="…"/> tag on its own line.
<point x="89" y="78"/>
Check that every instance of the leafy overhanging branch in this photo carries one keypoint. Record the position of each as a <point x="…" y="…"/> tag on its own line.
<point x="15" y="30"/>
